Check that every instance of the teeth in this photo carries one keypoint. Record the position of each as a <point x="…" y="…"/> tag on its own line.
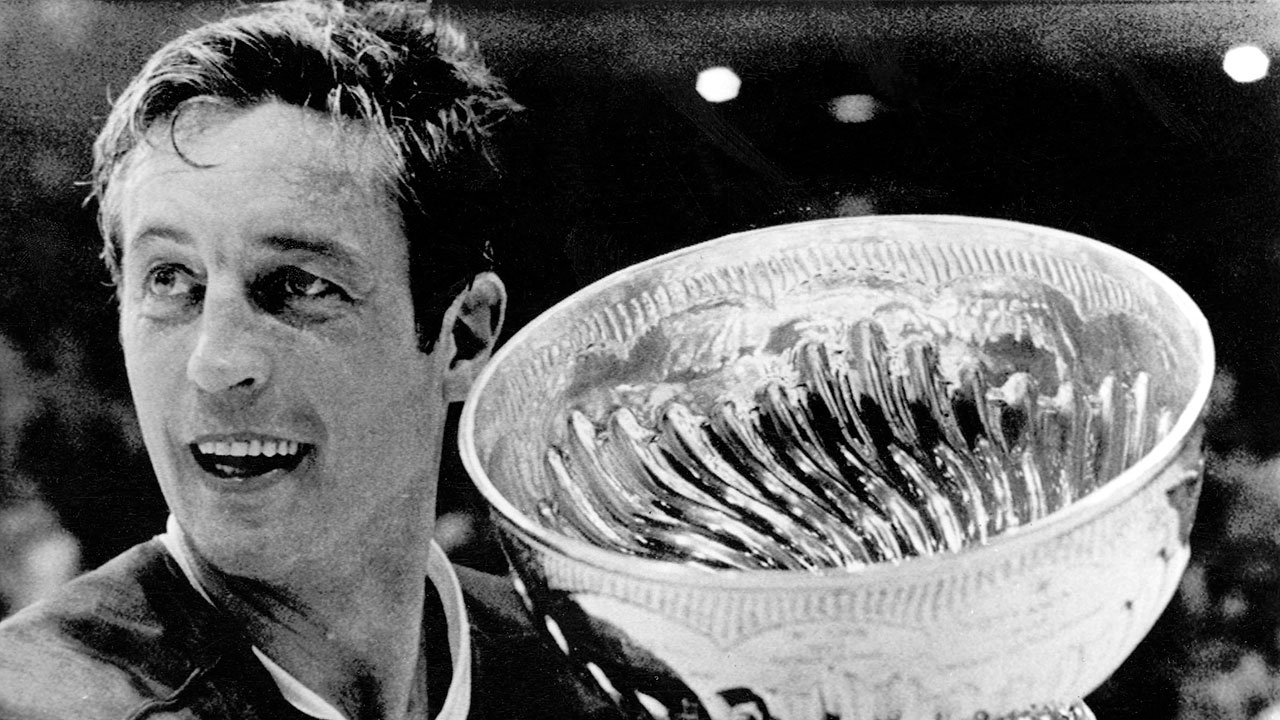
<point x="249" y="448"/>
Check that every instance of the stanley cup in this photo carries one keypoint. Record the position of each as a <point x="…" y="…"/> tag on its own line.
<point x="885" y="467"/>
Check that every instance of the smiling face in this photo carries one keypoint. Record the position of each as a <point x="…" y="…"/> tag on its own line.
<point x="268" y="334"/>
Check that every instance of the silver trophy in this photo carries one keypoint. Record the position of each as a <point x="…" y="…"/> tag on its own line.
<point x="885" y="467"/>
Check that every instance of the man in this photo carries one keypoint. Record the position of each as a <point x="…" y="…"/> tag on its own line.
<point x="279" y="200"/>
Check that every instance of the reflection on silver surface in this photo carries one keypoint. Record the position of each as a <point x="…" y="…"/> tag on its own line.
<point x="860" y="450"/>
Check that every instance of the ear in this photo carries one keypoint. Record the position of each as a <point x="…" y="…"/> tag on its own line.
<point x="473" y="323"/>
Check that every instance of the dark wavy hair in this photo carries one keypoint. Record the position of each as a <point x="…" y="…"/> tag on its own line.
<point x="401" y="69"/>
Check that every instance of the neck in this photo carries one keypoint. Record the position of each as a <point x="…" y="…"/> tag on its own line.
<point x="353" y="637"/>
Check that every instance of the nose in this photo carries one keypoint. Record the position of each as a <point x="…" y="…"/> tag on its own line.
<point x="231" y="355"/>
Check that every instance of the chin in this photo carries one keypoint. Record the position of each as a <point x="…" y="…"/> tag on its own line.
<point x="248" y="553"/>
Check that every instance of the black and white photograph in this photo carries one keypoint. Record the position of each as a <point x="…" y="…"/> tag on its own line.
<point x="639" y="360"/>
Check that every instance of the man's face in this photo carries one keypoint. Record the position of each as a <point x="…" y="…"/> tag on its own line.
<point x="268" y="334"/>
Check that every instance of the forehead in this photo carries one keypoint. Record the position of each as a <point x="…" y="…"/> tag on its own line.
<point x="274" y="157"/>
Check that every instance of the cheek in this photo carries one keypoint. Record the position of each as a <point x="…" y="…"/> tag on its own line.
<point x="152" y="361"/>
<point x="395" y="391"/>
<point x="155" y="367"/>
<point x="387" y="362"/>
<point x="382" y="392"/>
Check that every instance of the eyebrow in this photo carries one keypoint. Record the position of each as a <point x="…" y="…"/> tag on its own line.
<point x="302" y="242"/>
<point x="154" y="234"/>
<point x="312" y="244"/>
<point x="281" y="242"/>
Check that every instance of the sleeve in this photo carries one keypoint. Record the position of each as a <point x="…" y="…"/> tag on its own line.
<point x="44" y="677"/>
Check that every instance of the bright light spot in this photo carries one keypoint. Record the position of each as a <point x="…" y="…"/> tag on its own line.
<point x="656" y="710"/>
<point x="454" y="530"/>
<point x="523" y="592"/>
<point x="553" y="627"/>
<point x="603" y="680"/>
<point x="854" y="108"/>
<point x="1246" y="63"/>
<point x="718" y="84"/>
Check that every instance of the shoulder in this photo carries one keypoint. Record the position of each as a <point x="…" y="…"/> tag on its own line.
<point x="518" y="672"/>
<point x="104" y="643"/>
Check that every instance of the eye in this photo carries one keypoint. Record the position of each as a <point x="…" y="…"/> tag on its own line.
<point x="292" y="289"/>
<point x="302" y="284"/>
<point x="171" y="281"/>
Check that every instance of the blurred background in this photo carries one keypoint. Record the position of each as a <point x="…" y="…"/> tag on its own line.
<point x="1154" y="127"/>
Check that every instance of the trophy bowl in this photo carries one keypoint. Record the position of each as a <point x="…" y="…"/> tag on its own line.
<point x="880" y="467"/>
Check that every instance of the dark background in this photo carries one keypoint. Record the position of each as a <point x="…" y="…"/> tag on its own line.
<point x="1112" y="120"/>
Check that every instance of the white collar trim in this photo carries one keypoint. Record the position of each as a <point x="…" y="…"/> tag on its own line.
<point x="457" y="702"/>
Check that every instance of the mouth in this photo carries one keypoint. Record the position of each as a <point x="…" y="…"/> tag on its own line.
<point x="238" y="459"/>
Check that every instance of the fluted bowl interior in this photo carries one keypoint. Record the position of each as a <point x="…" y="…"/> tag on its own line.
<point x="834" y="404"/>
